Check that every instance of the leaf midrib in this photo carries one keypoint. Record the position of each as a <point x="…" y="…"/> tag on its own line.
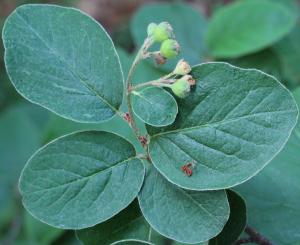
<point x="200" y="205"/>
<point x="89" y="176"/>
<point x="222" y="122"/>
<point x="85" y="83"/>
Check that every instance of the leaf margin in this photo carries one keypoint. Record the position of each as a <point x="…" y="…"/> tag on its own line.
<point x="114" y="110"/>
<point x="267" y="162"/>
<point x="70" y="134"/>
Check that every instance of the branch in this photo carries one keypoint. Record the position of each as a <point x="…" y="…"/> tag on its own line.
<point x="140" y="56"/>
<point x="254" y="237"/>
<point x="243" y="241"/>
<point x="257" y="237"/>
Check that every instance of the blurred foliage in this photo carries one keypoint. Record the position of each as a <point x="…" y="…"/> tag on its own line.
<point x="25" y="127"/>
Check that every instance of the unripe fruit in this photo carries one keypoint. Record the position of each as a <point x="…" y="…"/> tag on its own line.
<point x="169" y="48"/>
<point x="182" y="86"/>
<point x="161" y="32"/>
<point x="182" y="68"/>
<point x="151" y="29"/>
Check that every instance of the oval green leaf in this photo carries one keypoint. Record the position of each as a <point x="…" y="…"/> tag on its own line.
<point x="154" y="106"/>
<point x="189" y="26"/>
<point x="266" y="60"/>
<point x="233" y="123"/>
<point x="182" y="215"/>
<point x="273" y="195"/>
<point x="127" y="226"/>
<point x="39" y="233"/>
<point x="248" y="26"/>
<point x="63" y="60"/>
<point x="236" y="223"/>
<point x="288" y="49"/>
<point x="81" y="179"/>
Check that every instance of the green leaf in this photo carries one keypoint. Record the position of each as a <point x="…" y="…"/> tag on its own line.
<point x="128" y="225"/>
<point x="21" y="126"/>
<point x="182" y="17"/>
<point x="181" y="215"/>
<point x="291" y="5"/>
<point x="69" y="238"/>
<point x="154" y="106"/>
<point x="266" y="61"/>
<point x="236" y="223"/>
<point x="288" y="50"/>
<point x="58" y="126"/>
<point x="233" y="123"/>
<point x="20" y="130"/>
<point x="248" y="26"/>
<point x="38" y="233"/>
<point x="63" y="60"/>
<point x="81" y="179"/>
<point x="273" y="196"/>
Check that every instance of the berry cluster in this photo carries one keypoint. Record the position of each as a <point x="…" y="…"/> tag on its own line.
<point x="169" y="48"/>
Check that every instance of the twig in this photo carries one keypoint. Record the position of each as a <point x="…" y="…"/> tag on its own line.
<point x="257" y="237"/>
<point x="254" y="237"/>
<point x="156" y="83"/>
<point x="243" y="241"/>
<point x="140" y="56"/>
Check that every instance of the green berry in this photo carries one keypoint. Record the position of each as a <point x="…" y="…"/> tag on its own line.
<point x="161" y="32"/>
<point x="182" y="86"/>
<point x="169" y="48"/>
<point x="182" y="68"/>
<point x="151" y="29"/>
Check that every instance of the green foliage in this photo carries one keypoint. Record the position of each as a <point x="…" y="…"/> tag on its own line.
<point x="273" y="195"/>
<point x="128" y="225"/>
<point x="222" y="128"/>
<point x="16" y="145"/>
<point x="289" y="52"/>
<point x="68" y="67"/>
<point x="154" y="106"/>
<point x="248" y="26"/>
<point x="182" y="215"/>
<point x="73" y="182"/>
<point x="236" y="223"/>
<point x="38" y="233"/>
<point x="182" y="18"/>
<point x="267" y="61"/>
<point x="231" y="126"/>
